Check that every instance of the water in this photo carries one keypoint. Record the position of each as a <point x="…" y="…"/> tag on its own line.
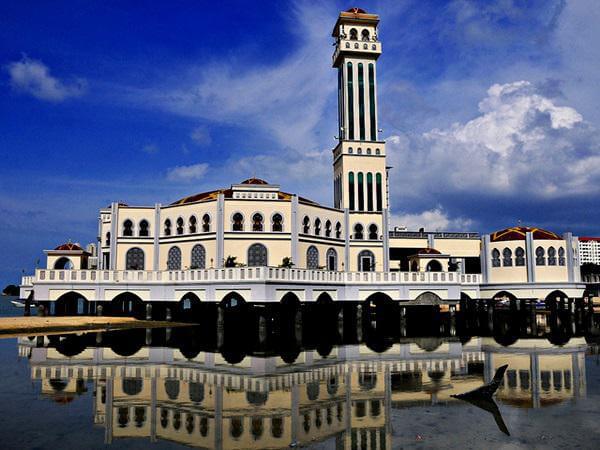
<point x="356" y="383"/>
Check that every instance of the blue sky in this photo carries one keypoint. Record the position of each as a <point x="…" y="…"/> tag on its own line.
<point x="490" y="110"/>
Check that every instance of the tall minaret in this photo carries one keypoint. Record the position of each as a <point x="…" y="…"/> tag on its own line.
<point x="360" y="179"/>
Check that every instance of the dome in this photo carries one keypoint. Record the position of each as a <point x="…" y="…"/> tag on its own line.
<point x="428" y="251"/>
<point x="356" y="11"/>
<point x="254" y="181"/>
<point x="518" y="234"/>
<point x="69" y="247"/>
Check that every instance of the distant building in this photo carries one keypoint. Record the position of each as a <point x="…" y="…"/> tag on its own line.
<point x="589" y="250"/>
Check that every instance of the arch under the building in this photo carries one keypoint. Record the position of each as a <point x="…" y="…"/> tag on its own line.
<point x="127" y="304"/>
<point x="72" y="304"/>
<point x="233" y="300"/>
<point x="428" y="298"/>
<point x="63" y="263"/>
<point x="189" y="306"/>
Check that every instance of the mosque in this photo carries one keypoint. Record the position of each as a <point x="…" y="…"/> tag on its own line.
<point x="252" y="233"/>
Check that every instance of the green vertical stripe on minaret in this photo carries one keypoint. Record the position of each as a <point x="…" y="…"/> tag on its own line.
<point x="361" y="101"/>
<point x="350" y="103"/>
<point x="372" y="102"/>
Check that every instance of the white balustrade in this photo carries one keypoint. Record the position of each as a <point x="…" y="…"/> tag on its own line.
<point x="241" y="274"/>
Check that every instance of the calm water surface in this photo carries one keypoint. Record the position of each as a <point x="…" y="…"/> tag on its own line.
<point x="360" y="384"/>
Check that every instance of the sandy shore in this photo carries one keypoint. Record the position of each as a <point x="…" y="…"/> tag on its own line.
<point x="31" y="326"/>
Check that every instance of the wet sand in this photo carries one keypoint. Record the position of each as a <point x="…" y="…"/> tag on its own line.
<point x="31" y="326"/>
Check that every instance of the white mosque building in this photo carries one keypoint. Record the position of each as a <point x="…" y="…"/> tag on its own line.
<point x="258" y="242"/>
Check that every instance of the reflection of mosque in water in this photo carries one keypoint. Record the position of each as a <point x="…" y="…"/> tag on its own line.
<point x="269" y="399"/>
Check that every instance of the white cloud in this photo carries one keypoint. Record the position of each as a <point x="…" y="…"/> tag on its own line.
<point x="435" y="219"/>
<point x="201" y="136"/>
<point x="33" y="77"/>
<point x="521" y="143"/>
<point x="187" y="173"/>
<point x="285" y="100"/>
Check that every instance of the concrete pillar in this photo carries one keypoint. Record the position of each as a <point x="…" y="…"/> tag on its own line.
<point x="386" y="241"/>
<point x="530" y="257"/>
<point x="347" y="232"/>
<point x="485" y="258"/>
<point x="149" y="311"/>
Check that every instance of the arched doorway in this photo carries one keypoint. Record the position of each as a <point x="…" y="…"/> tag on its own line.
<point x="63" y="263"/>
<point x="332" y="260"/>
<point x="257" y="255"/>
<point x="366" y="261"/>
<point x="433" y="266"/>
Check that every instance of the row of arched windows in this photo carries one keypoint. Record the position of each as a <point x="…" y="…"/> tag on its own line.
<point x="143" y="229"/>
<point x="191" y="227"/>
<point x="317" y="228"/>
<point x="370" y="197"/>
<point x="506" y="259"/>
<point x="135" y="258"/>
<point x="257" y="223"/>
<point x="371" y="232"/>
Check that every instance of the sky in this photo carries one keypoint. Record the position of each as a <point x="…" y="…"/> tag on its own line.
<point x="489" y="109"/>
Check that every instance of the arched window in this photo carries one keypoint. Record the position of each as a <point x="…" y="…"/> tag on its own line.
<point x="365" y="35"/>
<point x="331" y="259"/>
<point x="256" y="427"/>
<point x="144" y="228"/>
<point x="193" y="224"/>
<point x="205" y="223"/>
<point x="257" y="255"/>
<point x="338" y="230"/>
<point x="107" y="242"/>
<point x="167" y="230"/>
<point x="551" y="256"/>
<point x="306" y="225"/>
<point x="358" y="231"/>
<point x="238" y="222"/>
<point x="257" y="222"/>
<point x="495" y="258"/>
<point x="179" y="225"/>
<point x="361" y="101"/>
<point x="540" y="257"/>
<point x="373" y="232"/>
<point x="370" y="191"/>
<point x="361" y="192"/>
<point x="351" y="190"/>
<point x="317" y="227"/>
<point x="134" y="259"/>
<point x="312" y="257"/>
<point x="277" y="427"/>
<point x="198" y="257"/>
<point x="519" y="257"/>
<point x="507" y="257"/>
<point x="561" y="256"/>
<point x="353" y="34"/>
<point x="328" y="228"/>
<point x="174" y="259"/>
<point x="128" y="228"/>
<point x="366" y="261"/>
<point x="350" y="100"/>
<point x="277" y="224"/>
<point x="379" y="192"/>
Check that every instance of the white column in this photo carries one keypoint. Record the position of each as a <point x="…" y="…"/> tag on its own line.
<point x="114" y="229"/>
<point x="530" y="255"/>
<point x="157" y="229"/>
<point x="294" y="224"/>
<point x="220" y="230"/>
